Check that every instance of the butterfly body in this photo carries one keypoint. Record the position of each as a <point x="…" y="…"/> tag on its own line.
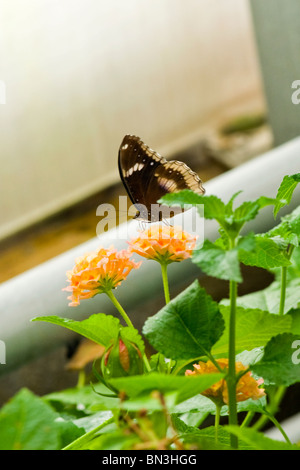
<point x="147" y="176"/>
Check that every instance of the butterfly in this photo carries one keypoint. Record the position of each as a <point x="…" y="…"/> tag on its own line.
<point x="147" y="176"/>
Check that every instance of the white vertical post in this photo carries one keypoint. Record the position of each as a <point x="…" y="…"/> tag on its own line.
<point x="277" y="30"/>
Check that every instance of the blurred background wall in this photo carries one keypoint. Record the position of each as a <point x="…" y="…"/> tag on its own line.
<point x="79" y="74"/>
<point x="277" y="34"/>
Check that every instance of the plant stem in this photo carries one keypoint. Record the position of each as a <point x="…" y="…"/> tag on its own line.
<point x="272" y="408"/>
<point x="81" y="378"/>
<point x="167" y="295"/>
<point x="282" y="290"/>
<point x="127" y="320"/>
<point x="77" y="444"/>
<point x="281" y="390"/>
<point x="165" y="281"/>
<point x="280" y="428"/>
<point x="119" y="308"/>
<point x="217" y="421"/>
<point x="283" y="281"/>
<point x="248" y="418"/>
<point x="231" y="377"/>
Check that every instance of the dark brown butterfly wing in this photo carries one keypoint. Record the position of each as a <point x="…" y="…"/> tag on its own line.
<point x="136" y="165"/>
<point x="147" y="176"/>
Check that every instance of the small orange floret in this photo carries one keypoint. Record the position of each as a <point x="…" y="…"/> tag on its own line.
<point x="165" y="244"/>
<point x="247" y="386"/>
<point x="98" y="272"/>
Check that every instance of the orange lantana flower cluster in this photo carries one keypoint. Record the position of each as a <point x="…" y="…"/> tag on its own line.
<point x="165" y="244"/>
<point x="98" y="272"/>
<point x="247" y="386"/>
<point x="103" y="270"/>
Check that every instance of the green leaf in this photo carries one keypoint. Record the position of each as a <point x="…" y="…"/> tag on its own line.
<point x="254" y="328"/>
<point x="85" y="396"/>
<point x="258" y="440"/>
<point x="295" y="315"/>
<point x="250" y="357"/>
<point x="92" y="421"/>
<point x="285" y="191"/>
<point x="183" y="386"/>
<point x="280" y="363"/>
<point x="292" y="271"/>
<point x="100" y="328"/>
<point x="214" y="208"/>
<point x="28" y="423"/>
<point x="266" y="254"/>
<point x="91" y="425"/>
<point x="205" y="405"/>
<point x="292" y="220"/>
<point x="288" y="230"/>
<point x="246" y="242"/>
<point x="69" y="431"/>
<point x="217" y="262"/>
<point x="264" y="201"/>
<point x="150" y="402"/>
<point x="229" y="205"/>
<point x="201" y="438"/>
<point x="116" y="440"/>
<point x="249" y="439"/>
<point x="268" y="299"/>
<point x="180" y="198"/>
<point x="187" y="327"/>
<point x="247" y="211"/>
<point x="72" y="396"/>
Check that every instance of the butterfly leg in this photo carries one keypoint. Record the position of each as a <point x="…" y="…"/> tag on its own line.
<point x="142" y="225"/>
<point x="167" y="222"/>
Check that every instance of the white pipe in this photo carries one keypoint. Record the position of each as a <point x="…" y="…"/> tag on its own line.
<point x="291" y="426"/>
<point x="38" y="291"/>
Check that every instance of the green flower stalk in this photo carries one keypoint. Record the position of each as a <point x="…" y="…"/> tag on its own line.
<point x="165" y="244"/>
